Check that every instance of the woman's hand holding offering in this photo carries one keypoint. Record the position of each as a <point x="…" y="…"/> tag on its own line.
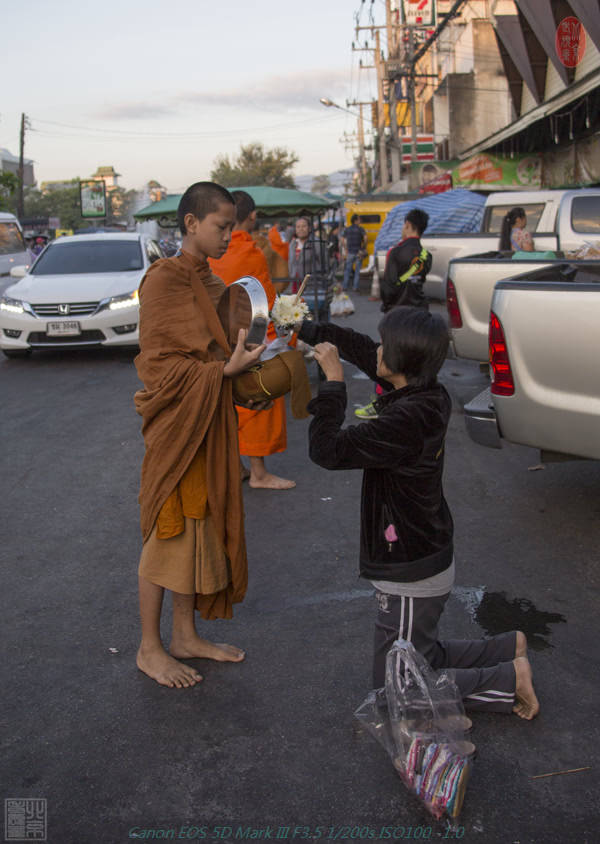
<point x="326" y="355"/>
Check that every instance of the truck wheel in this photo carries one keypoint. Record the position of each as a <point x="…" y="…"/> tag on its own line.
<point x="17" y="353"/>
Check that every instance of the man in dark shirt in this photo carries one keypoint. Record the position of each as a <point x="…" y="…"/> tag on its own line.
<point x="354" y="239"/>
<point x="407" y="266"/>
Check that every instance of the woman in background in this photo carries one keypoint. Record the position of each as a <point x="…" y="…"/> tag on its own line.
<point x="304" y="254"/>
<point x="514" y="237"/>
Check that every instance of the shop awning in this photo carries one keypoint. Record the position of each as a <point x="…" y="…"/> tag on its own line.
<point x="573" y="92"/>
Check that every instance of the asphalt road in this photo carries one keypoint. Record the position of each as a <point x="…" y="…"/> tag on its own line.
<point x="271" y="744"/>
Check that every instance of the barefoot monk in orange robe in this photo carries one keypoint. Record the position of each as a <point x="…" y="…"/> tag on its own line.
<point x="261" y="432"/>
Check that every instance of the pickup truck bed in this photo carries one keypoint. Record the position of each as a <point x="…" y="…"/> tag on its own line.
<point x="444" y="247"/>
<point x="472" y="285"/>
<point x="550" y="320"/>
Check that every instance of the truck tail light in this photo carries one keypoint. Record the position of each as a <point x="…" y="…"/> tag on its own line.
<point x="502" y="379"/>
<point x="452" y="305"/>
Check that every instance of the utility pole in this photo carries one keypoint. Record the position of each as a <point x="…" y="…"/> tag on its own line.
<point x="361" y="151"/>
<point x="21" y="169"/>
<point x="392" y="40"/>
<point x="380" y="70"/>
<point x="362" y="159"/>
<point x="411" y="86"/>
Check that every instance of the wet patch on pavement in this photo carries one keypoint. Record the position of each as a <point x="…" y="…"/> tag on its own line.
<point x="496" y="613"/>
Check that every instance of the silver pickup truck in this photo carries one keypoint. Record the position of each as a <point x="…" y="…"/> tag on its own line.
<point x="544" y="360"/>
<point x="557" y="219"/>
<point x="469" y="290"/>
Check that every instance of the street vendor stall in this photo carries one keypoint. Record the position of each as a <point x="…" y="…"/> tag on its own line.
<point x="270" y="203"/>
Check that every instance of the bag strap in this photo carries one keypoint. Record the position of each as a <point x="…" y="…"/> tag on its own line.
<point x="415" y="267"/>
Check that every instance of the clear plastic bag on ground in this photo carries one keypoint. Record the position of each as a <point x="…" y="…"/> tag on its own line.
<point x="341" y="304"/>
<point x="420" y="721"/>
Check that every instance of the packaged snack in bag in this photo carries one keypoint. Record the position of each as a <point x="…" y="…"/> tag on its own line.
<point x="419" y="719"/>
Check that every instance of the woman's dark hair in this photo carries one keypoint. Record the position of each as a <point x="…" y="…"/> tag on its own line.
<point x="508" y="221"/>
<point x="415" y="343"/>
<point x="200" y="199"/>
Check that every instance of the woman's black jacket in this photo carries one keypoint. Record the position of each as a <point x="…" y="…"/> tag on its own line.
<point x="402" y="454"/>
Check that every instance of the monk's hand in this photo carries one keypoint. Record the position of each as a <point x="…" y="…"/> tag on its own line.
<point x="260" y="405"/>
<point x="326" y="355"/>
<point x="242" y="358"/>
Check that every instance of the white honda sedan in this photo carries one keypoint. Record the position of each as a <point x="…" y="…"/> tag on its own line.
<point x="82" y="291"/>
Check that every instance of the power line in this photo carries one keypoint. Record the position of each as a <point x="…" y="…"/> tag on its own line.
<point x="133" y="134"/>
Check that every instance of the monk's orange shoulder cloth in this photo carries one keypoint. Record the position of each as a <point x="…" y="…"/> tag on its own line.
<point x="186" y="401"/>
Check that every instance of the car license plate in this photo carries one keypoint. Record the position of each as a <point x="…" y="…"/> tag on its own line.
<point x="62" y="329"/>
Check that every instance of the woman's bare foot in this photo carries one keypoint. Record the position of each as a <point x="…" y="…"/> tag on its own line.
<point x="160" y="666"/>
<point x="527" y="705"/>
<point x="521" y="644"/>
<point x="194" y="647"/>
<point x="268" y="481"/>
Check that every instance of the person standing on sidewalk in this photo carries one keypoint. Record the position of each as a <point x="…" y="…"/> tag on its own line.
<point x="354" y="240"/>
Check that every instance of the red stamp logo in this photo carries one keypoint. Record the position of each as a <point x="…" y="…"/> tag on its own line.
<point x="570" y="41"/>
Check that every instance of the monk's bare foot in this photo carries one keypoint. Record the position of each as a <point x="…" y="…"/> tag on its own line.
<point x="194" y="647"/>
<point x="268" y="481"/>
<point x="521" y="644"/>
<point x="527" y="705"/>
<point x="160" y="666"/>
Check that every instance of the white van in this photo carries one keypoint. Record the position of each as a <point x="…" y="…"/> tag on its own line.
<point x="13" y="251"/>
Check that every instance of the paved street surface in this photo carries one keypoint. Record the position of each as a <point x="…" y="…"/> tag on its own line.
<point x="272" y="743"/>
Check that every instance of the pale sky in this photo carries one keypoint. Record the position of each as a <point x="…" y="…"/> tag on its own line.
<point x="159" y="89"/>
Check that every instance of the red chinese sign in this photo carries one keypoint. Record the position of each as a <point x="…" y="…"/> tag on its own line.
<point x="570" y="41"/>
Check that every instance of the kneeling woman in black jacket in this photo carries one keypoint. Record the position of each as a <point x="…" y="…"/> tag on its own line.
<point x="406" y="533"/>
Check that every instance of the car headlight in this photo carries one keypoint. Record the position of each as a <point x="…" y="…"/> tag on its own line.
<point x="13" y="306"/>
<point x="128" y="300"/>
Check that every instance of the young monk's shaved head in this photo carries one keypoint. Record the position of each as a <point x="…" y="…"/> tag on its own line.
<point x="200" y="199"/>
<point x="244" y="205"/>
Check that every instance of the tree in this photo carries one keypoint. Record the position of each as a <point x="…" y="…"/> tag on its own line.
<point x="121" y="203"/>
<point x="256" y="165"/>
<point x="8" y="189"/>
<point x="63" y="202"/>
<point x="320" y="184"/>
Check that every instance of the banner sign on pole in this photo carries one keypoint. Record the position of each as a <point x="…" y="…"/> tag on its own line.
<point x="93" y="198"/>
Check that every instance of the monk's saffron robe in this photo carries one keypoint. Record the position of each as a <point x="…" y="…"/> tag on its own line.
<point x="261" y="432"/>
<point x="190" y="489"/>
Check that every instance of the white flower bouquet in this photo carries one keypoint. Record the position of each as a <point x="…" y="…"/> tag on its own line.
<point x="288" y="311"/>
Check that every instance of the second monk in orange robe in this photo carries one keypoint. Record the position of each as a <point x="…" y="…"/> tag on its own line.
<point x="261" y="432"/>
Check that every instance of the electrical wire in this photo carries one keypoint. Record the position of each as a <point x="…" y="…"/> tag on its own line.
<point x="133" y="134"/>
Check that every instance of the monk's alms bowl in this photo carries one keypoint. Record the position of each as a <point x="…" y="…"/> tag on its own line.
<point x="244" y="304"/>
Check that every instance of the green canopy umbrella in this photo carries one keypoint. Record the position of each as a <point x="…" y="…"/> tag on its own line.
<point x="270" y="202"/>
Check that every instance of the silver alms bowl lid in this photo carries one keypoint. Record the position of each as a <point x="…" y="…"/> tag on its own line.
<point x="245" y="305"/>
